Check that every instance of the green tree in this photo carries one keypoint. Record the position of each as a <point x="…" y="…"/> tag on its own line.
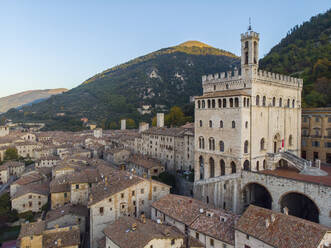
<point x="130" y="123"/>
<point x="113" y="125"/>
<point x="11" y="154"/>
<point x="175" y="117"/>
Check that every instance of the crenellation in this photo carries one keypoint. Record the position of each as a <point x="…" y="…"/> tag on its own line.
<point x="216" y="76"/>
<point x="222" y="75"/>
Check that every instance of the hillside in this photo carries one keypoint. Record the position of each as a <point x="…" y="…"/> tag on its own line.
<point x="166" y="77"/>
<point x="26" y="98"/>
<point x="306" y="52"/>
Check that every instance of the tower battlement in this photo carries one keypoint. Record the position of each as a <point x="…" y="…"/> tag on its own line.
<point x="250" y="34"/>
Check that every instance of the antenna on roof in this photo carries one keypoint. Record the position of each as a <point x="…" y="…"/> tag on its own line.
<point x="250" y="25"/>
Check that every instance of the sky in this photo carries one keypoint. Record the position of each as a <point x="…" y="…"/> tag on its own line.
<point x="60" y="44"/>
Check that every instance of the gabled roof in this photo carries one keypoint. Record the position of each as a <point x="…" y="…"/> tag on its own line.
<point x="30" y="229"/>
<point x="65" y="238"/>
<point x="284" y="232"/>
<point x="41" y="189"/>
<point x="77" y="210"/>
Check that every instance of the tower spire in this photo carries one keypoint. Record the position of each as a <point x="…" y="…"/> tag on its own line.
<point x="249" y="26"/>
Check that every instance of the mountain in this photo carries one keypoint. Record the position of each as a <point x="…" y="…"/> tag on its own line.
<point x="26" y="98"/>
<point x="305" y="52"/>
<point x="166" y="77"/>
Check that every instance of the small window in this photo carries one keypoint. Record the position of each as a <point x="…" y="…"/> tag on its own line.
<point x="65" y="195"/>
<point x="197" y="235"/>
<point x="274" y="101"/>
<point x="122" y="195"/>
<point x="210" y="123"/>
<point x="110" y="200"/>
<point x="233" y="124"/>
<point x="200" y="123"/>
<point x="264" y="100"/>
<point x="293" y="103"/>
<point x="211" y="242"/>
<point x="257" y="100"/>
<point x="172" y="241"/>
<point x="101" y="210"/>
<point x="246" y="124"/>
<point x="133" y="192"/>
<point x="77" y="186"/>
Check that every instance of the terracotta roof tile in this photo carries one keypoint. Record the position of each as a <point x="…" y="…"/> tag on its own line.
<point x="34" y="228"/>
<point x="77" y="210"/>
<point x="62" y="238"/>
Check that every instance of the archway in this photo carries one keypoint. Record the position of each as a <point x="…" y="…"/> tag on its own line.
<point x="256" y="194"/>
<point x="300" y="206"/>
<point x="222" y="165"/>
<point x="201" y="164"/>
<point x="246" y="166"/>
<point x="211" y="167"/>
<point x="276" y="142"/>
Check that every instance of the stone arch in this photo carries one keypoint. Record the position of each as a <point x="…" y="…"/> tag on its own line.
<point x="203" y="104"/>
<point x="300" y="205"/>
<point x="231" y="102"/>
<point x="208" y="103"/>
<point x="246" y="146"/>
<point x="233" y="167"/>
<point x="256" y="194"/>
<point x="222" y="166"/>
<point x="199" y="104"/>
<point x="220" y="103"/>
<point x="276" y="143"/>
<point x="224" y="103"/>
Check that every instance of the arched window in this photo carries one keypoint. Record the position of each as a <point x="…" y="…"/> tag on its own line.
<point x="280" y="102"/>
<point x="236" y="102"/>
<point x="210" y="123"/>
<point x="244" y="101"/>
<point x="199" y="104"/>
<point x="233" y="167"/>
<point x="246" y="124"/>
<point x="257" y="100"/>
<point x="208" y="103"/>
<point x="220" y="103"/>
<point x="257" y="165"/>
<point x="203" y="104"/>
<point x="288" y="103"/>
<point x="274" y="101"/>
<point x="200" y="123"/>
<point x="227" y="86"/>
<point x="221" y="124"/>
<point x="293" y="103"/>
<point x="211" y="144"/>
<point x="247" y="102"/>
<point x="201" y="163"/>
<point x="214" y="87"/>
<point x="221" y="146"/>
<point x="201" y="143"/>
<point x="290" y="140"/>
<point x="233" y="124"/>
<point x="224" y="103"/>
<point x="262" y="144"/>
<point x="222" y="165"/>
<point x="264" y="101"/>
<point x="213" y="103"/>
<point x="231" y="102"/>
<point x="264" y="166"/>
<point x="211" y="167"/>
<point x="246" y="146"/>
<point x="246" y="166"/>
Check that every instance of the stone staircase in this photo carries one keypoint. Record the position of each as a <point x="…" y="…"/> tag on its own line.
<point x="297" y="162"/>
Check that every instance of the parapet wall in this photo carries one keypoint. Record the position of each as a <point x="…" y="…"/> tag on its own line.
<point x="279" y="78"/>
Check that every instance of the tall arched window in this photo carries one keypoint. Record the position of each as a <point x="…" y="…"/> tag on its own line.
<point x="201" y="163"/>
<point x="233" y="124"/>
<point x="211" y="144"/>
<point x="244" y="101"/>
<point x="290" y="140"/>
<point x="221" y="146"/>
<point x="236" y="102"/>
<point x="280" y="102"/>
<point x="220" y="103"/>
<point x="262" y="144"/>
<point x="233" y="167"/>
<point x="246" y="166"/>
<point x="231" y="102"/>
<point x="274" y="101"/>
<point x="222" y="165"/>
<point x="224" y="103"/>
<point x="247" y="102"/>
<point x="199" y="104"/>
<point x="264" y="165"/>
<point x="200" y="123"/>
<point x="203" y="104"/>
<point x="221" y="124"/>
<point x="210" y="123"/>
<point x="264" y="101"/>
<point x="208" y="101"/>
<point x="246" y="146"/>
<point x="288" y="103"/>
<point x="293" y="103"/>
<point x="213" y="103"/>
<point x="257" y="100"/>
<point x="201" y="143"/>
<point x="246" y="124"/>
<point x="257" y="165"/>
<point x="211" y="167"/>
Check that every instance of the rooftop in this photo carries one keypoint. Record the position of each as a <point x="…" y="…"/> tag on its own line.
<point x="77" y="210"/>
<point x="285" y="231"/>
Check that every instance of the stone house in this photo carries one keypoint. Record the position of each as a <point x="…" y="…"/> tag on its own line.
<point x="120" y="194"/>
<point x="30" y="198"/>
<point x="68" y="215"/>
<point x="4" y="174"/>
<point x="26" y="149"/>
<point x="29" y="137"/>
<point x="260" y="227"/>
<point x="212" y="227"/>
<point x="32" y="178"/>
<point x="15" y="168"/>
<point x="117" y="156"/>
<point x="4" y="131"/>
<point x="144" y="166"/>
<point x="36" y="235"/>
<point x="49" y="161"/>
<point x="60" y="190"/>
<point x="129" y="232"/>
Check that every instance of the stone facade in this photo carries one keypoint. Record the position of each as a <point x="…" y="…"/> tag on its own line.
<point x="4" y="174"/>
<point x="316" y="134"/>
<point x="4" y="131"/>
<point x="29" y="202"/>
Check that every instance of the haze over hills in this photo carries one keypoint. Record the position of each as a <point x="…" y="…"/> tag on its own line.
<point x="166" y="77"/>
<point x="27" y="97"/>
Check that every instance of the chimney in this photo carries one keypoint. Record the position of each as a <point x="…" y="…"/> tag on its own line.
<point x="285" y="210"/>
<point x="123" y="124"/>
<point x="267" y="223"/>
<point x="143" y="126"/>
<point x="160" y="119"/>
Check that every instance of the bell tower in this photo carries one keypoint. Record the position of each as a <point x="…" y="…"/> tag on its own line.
<point x="249" y="52"/>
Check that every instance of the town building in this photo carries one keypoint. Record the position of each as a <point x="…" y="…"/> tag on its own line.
<point x="144" y="166"/>
<point x="15" y="168"/>
<point x="4" y="131"/>
<point x="260" y="227"/>
<point x="316" y="134"/>
<point x="4" y="174"/>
